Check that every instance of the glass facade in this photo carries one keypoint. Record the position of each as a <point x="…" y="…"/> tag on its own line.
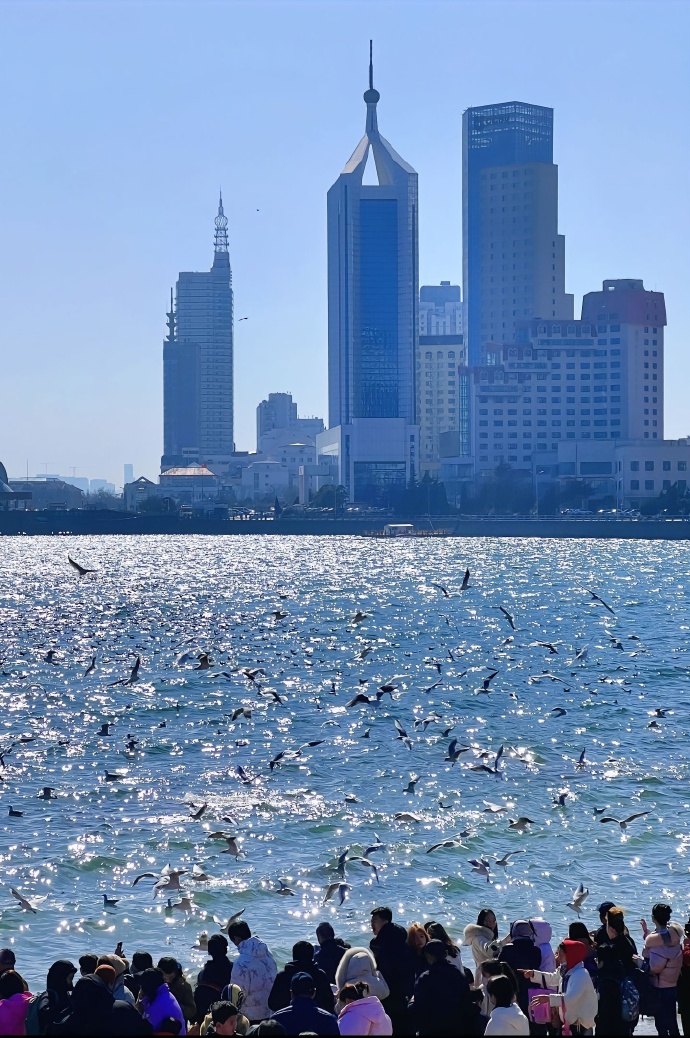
<point x="375" y="362"/>
<point x="373" y="477"/>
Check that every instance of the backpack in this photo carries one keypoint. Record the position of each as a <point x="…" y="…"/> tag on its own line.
<point x="630" y="1001"/>
<point x="34" y="1013"/>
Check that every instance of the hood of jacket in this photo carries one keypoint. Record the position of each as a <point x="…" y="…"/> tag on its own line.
<point x="471" y="932"/>
<point x="575" y="953"/>
<point x="356" y="964"/>
<point x="511" y="1020"/>
<point x="542" y="931"/>
<point x="675" y="937"/>
<point x="254" y="948"/>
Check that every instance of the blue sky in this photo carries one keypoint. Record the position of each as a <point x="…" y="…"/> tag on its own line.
<point x="121" y="119"/>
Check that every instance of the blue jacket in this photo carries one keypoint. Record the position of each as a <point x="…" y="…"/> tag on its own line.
<point x="304" y="1015"/>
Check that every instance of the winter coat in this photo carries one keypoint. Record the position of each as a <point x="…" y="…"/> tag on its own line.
<point x="13" y="1012"/>
<point x="121" y="991"/>
<point x="281" y="992"/>
<point x="664" y="951"/>
<point x="254" y="971"/>
<point x="542" y="938"/>
<point x="358" y="964"/>
<point x="510" y="1020"/>
<point x="93" y="1010"/>
<point x="522" y="954"/>
<point x="160" y="1007"/>
<point x="181" y="990"/>
<point x="442" y="1003"/>
<point x="304" y="1015"/>
<point x="579" y="1000"/>
<point x="328" y="955"/>
<point x="211" y="980"/>
<point x="366" y="1016"/>
<point x="484" y="946"/>
<point x="395" y="960"/>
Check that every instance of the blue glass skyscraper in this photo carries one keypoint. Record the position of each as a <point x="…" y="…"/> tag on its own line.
<point x="513" y="256"/>
<point x="198" y="362"/>
<point x="372" y="312"/>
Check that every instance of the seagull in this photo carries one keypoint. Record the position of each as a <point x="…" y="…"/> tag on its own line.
<point x="410" y="788"/>
<point x="597" y="598"/>
<point x="284" y="889"/>
<point x="581" y="654"/>
<point x="365" y="861"/>
<point x="198" y="874"/>
<point x="232" y="847"/>
<point x="581" y="760"/>
<point x="508" y="616"/>
<point x="241" y="711"/>
<point x="231" y="921"/>
<point x="406" y="816"/>
<point x="547" y="645"/>
<point x="624" y="822"/>
<point x="105" y="728"/>
<point x="480" y="866"/>
<point x="558" y="711"/>
<point x="485" y="767"/>
<point x="22" y="901"/>
<point x="363" y="653"/>
<point x="279" y="614"/>
<point x="465" y="581"/>
<point x="110" y="902"/>
<point x="358" y="617"/>
<point x="47" y="793"/>
<point x="15" y="814"/>
<point x="91" y="667"/>
<point x="183" y="905"/>
<point x="454" y="751"/>
<point x="505" y="860"/>
<point x="133" y="676"/>
<point x="444" y="843"/>
<point x="81" y="570"/>
<point x="402" y="734"/>
<point x="432" y="687"/>
<point x="493" y="809"/>
<point x="197" y="813"/>
<point x="340" y="888"/>
<point x="204" y="661"/>
<point x="376" y="846"/>
<point x="579" y="897"/>
<point x="252" y="673"/>
<point x="361" y="697"/>
<point x="440" y="587"/>
<point x="560" y="800"/>
<point x="114" y="776"/>
<point x="487" y="681"/>
<point x="519" y="825"/>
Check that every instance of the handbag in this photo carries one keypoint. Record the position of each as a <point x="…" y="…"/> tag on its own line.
<point x="541" y="1013"/>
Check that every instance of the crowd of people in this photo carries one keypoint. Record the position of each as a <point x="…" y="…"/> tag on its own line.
<point x="408" y="981"/>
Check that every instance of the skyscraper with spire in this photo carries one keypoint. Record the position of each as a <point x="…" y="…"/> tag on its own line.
<point x="372" y="317"/>
<point x="198" y="362"/>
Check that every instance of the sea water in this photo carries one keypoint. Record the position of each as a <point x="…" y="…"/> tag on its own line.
<point x="168" y="600"/>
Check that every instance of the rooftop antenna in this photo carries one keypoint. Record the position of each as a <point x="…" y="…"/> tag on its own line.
<point x="221" y="225"/>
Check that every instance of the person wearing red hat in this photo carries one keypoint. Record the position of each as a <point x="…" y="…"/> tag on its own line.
<point x="575" y="997"/>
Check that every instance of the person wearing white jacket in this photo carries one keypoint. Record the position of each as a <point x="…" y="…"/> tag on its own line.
<point x="356" y="966"/>
<point x="575" y="997"/>
<point x="362" y="1013"/>
<point x="254" y="971"/>
<point x="506" y="1017"/>
<point x="482" y="938"/>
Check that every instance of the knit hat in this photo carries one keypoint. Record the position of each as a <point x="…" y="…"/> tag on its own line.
<point x="107" y="974"/>
<point x="118" y="964"/>
<point x="575" y="951"/>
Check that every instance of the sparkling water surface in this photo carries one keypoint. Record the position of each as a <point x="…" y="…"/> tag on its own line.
<point x="169" y="599"/>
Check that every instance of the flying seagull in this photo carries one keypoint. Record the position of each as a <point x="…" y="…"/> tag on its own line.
<point x="340" y="888"/>
<point x="81" y="570"/>
<point x="284" y="889"/>
<point x="598" y="598"/>
<point x="508" y="616"/>
<point x="481" y="866"/>
<point x="579" y="897"/>
<point x="22" y="901"/>
<point x="624" y="822"/>
<point x="444" y="843"/>
<point x="440" y="587"/>
<point x="465" y="581"/>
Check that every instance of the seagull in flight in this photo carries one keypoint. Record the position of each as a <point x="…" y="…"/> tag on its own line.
<point x="505" y="860"/>
<point x="440" y="587"/>
<point x="579" y="897"/>
<point x="284" y="889"/>
<point x="339" y="888"/>
<point x="481" y="866"/>
<point x="598" y="598"/>
<point x="485" y="767"/>
<point x="624" y="822"/>
<point x="402" y="734"/>
<point x="508" y="616"/>
<point x="376" y="846"/>
<point x="26" y="905"/>
<point x="455" y="842"/>
<point x="520" y="825"/>
<point x="81" y="570"/>
<point x="454" y="751"/>
<point x="465" y="581"/>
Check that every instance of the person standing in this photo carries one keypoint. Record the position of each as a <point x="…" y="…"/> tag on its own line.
<point x="575" y="997"/>
<point x="442" y="1002"/>
<point x="302" y="962"/>
<point x="521" y="954"/>
<point x="330" y="950"/>
<point x="684" y="983"/>
<point x="482" y="938"/>
<point x="506" y="1017"/>
<point x="396" y="963"/>
<point x="362" y="1013"/>
<point x="303" y="1015"/>
<point x="254" y="971"/>
<point x="663" y="950"/>
<point x="14" y="1003"/>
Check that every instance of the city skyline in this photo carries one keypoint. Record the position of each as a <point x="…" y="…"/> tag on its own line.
<point x="628" y="231"/>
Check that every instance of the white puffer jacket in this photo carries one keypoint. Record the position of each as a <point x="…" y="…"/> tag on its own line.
<point x="484" y="946"/>
<point x="254" y="971"/>
<point x="366" y="1016"/>
<point x="358" y="964"/>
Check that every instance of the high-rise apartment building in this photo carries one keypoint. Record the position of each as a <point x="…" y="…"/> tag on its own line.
<point x="600" y="378"/>
<point x="439" y="356"/>
<point x="372" y="317"/>
<point x="277" y="422"/>
<point x="198" y="362"/>
<point x="629" y="316"/>
<point x="513" y="255"/>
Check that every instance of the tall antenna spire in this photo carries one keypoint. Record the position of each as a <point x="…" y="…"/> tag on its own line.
<point x="371" y="64"/>
<point x="221" y="225"/>
<point x="171" y="319"/>
<point x="371" y="96"/>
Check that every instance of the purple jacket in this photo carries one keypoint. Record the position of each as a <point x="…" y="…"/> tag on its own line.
<point x="163" y="1005"/>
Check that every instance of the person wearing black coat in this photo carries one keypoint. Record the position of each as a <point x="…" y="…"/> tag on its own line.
<point x="330" y="950"/>
<point x="93" y="1010"/>
<point x="442" y="1002"/>
<point x="395" y="962"/>
<point x="302" y="962"/>
<point x="522" y="954"/>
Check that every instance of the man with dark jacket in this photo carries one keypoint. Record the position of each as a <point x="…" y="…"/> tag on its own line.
<point x="302" y="962"/>
<point x="303" y="1015"/>
<point x="522" y="954"/>
<point x="442" y="1001"/>
<point x="330" y="950"/>
<point x="395" y="961"/>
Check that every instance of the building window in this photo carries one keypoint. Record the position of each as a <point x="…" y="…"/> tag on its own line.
<point x="682" y="466"/>
<point x="649" y="466"/>
<point x="649" y="484"/>
<point x="666" y="465"/>
<point x="634" y="484"/>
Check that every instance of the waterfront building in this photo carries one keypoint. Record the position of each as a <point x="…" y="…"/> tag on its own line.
<point x="440" y="355"/>
<point x="198" y="362"/>
<point x="128" y="473"/>
<point x="277" y="423"/>
<point x="513" y="255"/>
<point x="372" y="318"/>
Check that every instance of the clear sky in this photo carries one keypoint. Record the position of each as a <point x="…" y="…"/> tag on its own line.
<point x="121" y="119"/>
